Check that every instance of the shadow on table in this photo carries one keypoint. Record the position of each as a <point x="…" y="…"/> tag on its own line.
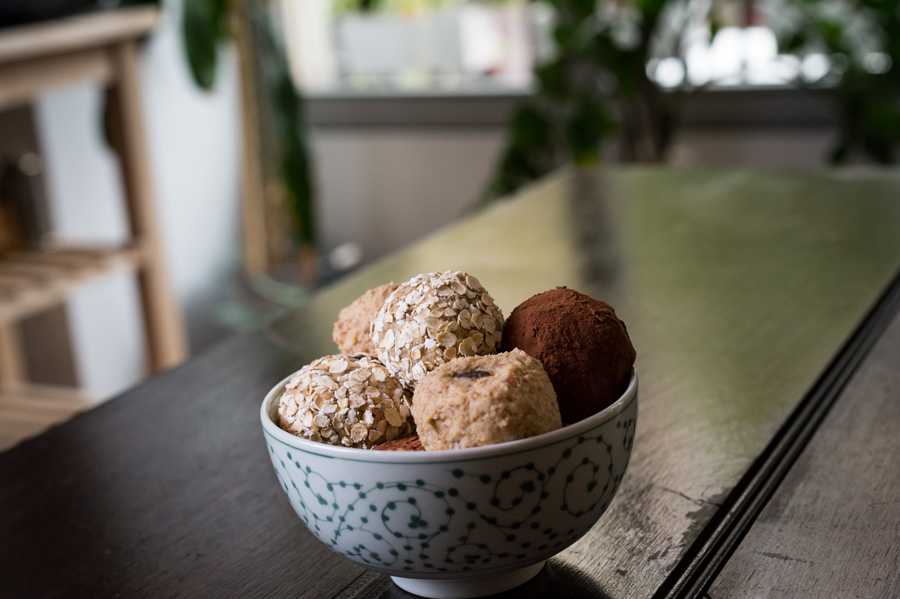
<point x="557" y="579"/>
<point x="594" y="232"/>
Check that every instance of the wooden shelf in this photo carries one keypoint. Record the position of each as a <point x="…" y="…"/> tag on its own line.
<point x="27" y="410"/>
<point x="36" y="57"/>
<point x="32" y="281"/>
<point x="100" y="48"/>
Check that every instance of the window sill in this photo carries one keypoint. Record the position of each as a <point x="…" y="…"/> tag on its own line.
<point x="756" y="107"/>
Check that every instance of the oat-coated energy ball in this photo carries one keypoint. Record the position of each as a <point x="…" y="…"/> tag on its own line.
<point x="433" y="318"/>
<point x="351" y="331"/>
<point x="470" y="402"/>
<point x="345" y="400"/>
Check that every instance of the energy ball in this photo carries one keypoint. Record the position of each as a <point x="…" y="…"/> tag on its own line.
<point x="351" y="331"/>
<point x="583" y="346"/>
<point x="482" y="400"/>
<point x="411" y="443"/>
<point x="352" y="401"/>
<point x="431" y="319"/>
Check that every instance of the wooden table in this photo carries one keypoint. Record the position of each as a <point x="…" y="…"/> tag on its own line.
<point x="753" y="299"/>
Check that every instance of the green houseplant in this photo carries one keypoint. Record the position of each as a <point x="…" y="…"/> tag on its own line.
<point x="862" y="40"/>
<point x="596" y="87"/>
<point x="278" y="163"/>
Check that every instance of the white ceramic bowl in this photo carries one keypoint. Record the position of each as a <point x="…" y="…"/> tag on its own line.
<point x="459" y="522"/>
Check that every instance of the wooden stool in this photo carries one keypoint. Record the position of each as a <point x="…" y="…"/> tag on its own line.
<point x="101" y="48"/>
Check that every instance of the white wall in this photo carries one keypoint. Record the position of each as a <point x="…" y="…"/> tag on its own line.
<point x="383" y="189"/>
<point x="767" y="147"/>
<point x="193" y="140"/>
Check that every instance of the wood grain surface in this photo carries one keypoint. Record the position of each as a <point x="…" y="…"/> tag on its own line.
<point x="833" y="527"/>
<point x="738" y="288"/>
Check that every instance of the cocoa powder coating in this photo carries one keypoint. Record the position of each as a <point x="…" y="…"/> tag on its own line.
<point x="582" y="345"/>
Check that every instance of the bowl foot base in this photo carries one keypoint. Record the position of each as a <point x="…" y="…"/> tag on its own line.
<point x="467" y="589"/>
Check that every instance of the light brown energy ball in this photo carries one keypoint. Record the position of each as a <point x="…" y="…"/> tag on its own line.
<point x="470" y="402"/>
<point x="345" y="400"/>
<point x="351" y="331"/>
<point x="433" y="318"/>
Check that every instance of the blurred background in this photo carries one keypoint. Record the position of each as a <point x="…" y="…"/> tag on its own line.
<point x="172" y="171"/>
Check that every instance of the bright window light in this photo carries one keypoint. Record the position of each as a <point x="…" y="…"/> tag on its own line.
<point x="877" y="63"/>
<point x="670" y="72"/>
<point x="814" y="66"/>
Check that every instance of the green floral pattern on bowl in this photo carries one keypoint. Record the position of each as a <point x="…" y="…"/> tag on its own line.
<point x="407" y="524"/>
<point x="459" y="513"/>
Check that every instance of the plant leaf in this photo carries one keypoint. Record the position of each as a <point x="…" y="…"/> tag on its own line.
<point x="203" y="28"/>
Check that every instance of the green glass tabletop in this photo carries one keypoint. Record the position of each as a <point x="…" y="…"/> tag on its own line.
<point x="738" y="288"/>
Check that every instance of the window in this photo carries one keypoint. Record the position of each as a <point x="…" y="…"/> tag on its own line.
<point x="490" y="46"/>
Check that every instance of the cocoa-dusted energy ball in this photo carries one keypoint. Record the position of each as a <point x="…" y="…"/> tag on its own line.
<point x="351" y="331"/>
<point x="583" y="346"/>
<point x="433" y="318"/>
<point x="482" y="400"/>
<point x="345" y="400"/>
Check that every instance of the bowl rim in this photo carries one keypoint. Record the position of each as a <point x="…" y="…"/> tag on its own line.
<point x="272" y="430"/>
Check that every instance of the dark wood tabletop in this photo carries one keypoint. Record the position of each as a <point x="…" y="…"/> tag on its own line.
<point x="753" y="299"/>
<point x="832" y="527"/>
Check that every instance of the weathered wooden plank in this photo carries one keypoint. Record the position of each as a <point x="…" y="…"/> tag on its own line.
<point x="832" y="529"/>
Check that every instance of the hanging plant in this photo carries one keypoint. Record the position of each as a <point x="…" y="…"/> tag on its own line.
<point x="862" y="44"/>
<point x="278" y="110"/>
<point x="595" y="87"/>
